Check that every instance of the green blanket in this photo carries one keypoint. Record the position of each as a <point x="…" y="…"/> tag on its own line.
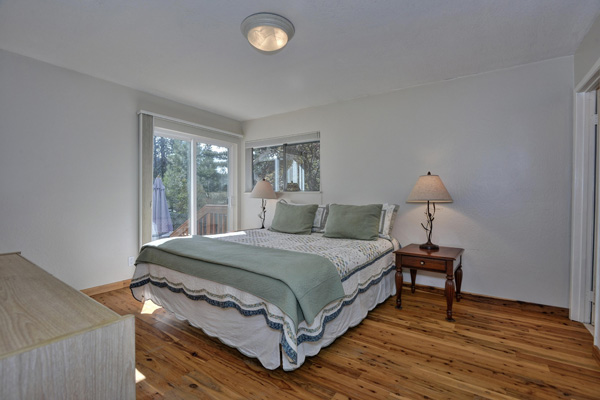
<point x="300" y="284"/>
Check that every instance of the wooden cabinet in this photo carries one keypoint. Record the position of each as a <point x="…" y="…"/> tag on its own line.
<point x="57" y="343"/>
<point x="442" y="260"/>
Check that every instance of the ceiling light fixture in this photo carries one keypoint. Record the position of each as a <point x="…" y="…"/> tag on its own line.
<point x="267" y="32"/>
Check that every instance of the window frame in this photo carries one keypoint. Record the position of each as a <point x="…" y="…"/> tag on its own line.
<point x="147" y="122"/>
<point x="283" y="141"/>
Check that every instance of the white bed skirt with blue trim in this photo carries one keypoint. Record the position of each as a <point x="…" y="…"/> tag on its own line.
<point x="257" y="328"/>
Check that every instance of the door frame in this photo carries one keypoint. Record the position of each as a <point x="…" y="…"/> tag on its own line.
<point x="582" y="246"/>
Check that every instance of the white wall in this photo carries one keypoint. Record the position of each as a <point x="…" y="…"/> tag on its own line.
<point x="587" y="56"/>
<point x="502" y="144"/>
<point x="69" y="168"/>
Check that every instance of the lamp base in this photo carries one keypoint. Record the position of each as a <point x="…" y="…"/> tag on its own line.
<point x="429" y="246"/>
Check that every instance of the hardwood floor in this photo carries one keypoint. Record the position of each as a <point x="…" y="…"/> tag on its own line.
<point x="495" y="350"/>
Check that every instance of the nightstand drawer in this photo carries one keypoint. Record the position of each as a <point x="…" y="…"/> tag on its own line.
<point x="420" y="262"/>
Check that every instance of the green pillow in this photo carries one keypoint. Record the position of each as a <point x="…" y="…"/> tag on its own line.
<point x="294" y="218"/>
<point x="353" y="222"/>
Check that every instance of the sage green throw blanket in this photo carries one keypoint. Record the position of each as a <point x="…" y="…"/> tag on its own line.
<point x="300" y="284"/>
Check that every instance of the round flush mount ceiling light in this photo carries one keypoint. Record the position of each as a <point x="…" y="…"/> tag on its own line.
<point x="267" y="32"/>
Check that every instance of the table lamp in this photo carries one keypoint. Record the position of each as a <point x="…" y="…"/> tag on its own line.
<point x="263" y="190"/>
<point x="429" y="188"/>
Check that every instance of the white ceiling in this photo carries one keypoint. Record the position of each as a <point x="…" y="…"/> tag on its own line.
<point x="192" y="51"/>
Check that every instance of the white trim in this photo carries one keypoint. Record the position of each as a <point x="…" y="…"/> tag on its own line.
<point x="140" y="189"/>
<point x="580" y="282"/>
<point x="597" y="307"/>
<point x="193" y="224"/>
<point x="581" y="224"/>
<point x="290" y="192"/>
<point x="171" y="134"/>
<point x="279" y="140"/>
<point x="596" y="285"/>
<point x="174" y="134"/>
<point x="195" y="125"/>
<point x="232" y="219"/>
<point x="591" y="80"/>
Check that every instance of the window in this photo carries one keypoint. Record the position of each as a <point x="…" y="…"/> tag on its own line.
<point x="291" y="167"/>
<point x="187" y="179"/>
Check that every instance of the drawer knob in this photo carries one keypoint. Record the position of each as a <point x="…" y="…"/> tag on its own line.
<point x="422" y="262"/>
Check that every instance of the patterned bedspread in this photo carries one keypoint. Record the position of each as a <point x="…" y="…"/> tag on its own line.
<point x="348" y="255"/>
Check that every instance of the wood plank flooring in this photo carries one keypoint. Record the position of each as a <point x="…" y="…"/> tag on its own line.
<point x="495" y="350"/>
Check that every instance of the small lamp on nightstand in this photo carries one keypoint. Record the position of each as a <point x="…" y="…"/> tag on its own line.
<point x="263" y="190"/>
<point x="429" y="188"/>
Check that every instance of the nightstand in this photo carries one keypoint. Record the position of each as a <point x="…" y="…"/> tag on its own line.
<point x="442" y="261"/>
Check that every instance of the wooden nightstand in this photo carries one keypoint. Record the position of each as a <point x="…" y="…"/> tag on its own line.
<point x="442" y="260"/>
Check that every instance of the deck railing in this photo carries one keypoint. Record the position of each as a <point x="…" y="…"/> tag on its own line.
<point x="211" y="219"/>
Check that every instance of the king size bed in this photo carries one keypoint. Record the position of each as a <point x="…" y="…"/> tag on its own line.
<point x="276" y="296"/>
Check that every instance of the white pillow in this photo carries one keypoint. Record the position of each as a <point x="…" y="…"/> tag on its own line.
<point x="320" y="218"/>
<point x="386" y="223"/>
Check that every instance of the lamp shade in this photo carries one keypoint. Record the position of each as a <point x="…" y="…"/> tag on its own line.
<point x="263" y="190"/>
<point x="267" y="32"/>
<point x="429" y="188"/>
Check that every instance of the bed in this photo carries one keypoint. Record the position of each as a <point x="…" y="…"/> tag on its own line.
<point x="265" y="324"/>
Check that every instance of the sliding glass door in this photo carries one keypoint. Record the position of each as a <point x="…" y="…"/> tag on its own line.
<point x="212" y="188"/>
<point x="192" y="182"/>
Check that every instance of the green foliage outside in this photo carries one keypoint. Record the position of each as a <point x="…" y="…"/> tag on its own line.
<point x="264" y="166"/>
<point x="172" y="164"/>
<point x="302" y="158"/>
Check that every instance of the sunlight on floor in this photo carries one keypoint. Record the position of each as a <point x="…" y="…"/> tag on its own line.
<point x="139" y="376"/>
<point x="149" y="307"/>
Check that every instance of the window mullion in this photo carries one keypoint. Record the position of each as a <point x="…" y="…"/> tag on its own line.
<point x="193" y="225"/>
<point x="285" y="177"/>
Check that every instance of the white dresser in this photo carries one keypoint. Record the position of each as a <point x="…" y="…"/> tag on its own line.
<point x="57" y="343"/>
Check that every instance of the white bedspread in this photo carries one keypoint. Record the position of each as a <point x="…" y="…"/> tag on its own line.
<point x="256" y="327"/>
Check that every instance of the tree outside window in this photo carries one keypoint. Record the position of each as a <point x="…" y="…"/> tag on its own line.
<point x="289" y="167"/>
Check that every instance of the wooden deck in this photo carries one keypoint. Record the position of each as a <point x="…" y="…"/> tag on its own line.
<point x="495" y="350"/>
